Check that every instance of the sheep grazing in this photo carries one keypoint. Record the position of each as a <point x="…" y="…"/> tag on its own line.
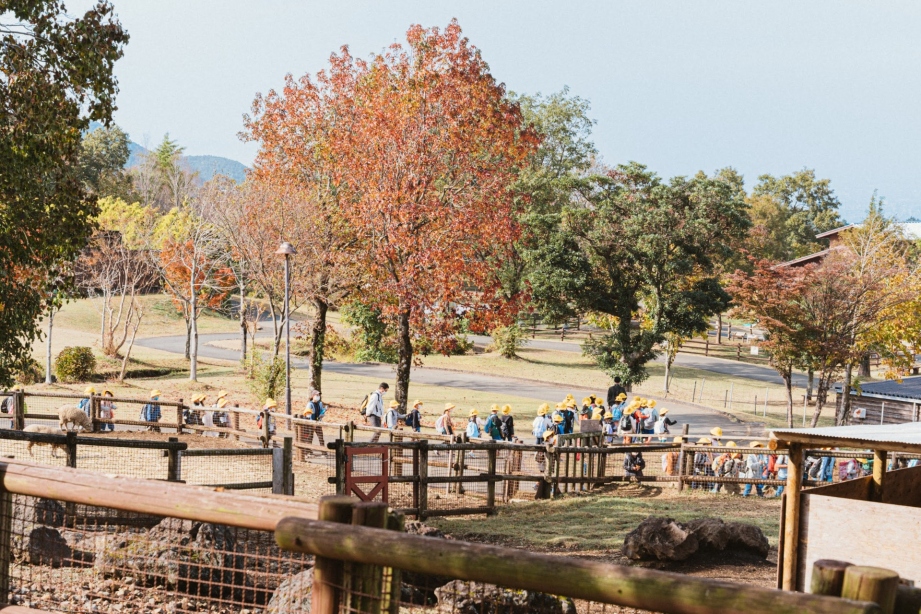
<point x="41" y="428"/>
<point x="74" y="416"/>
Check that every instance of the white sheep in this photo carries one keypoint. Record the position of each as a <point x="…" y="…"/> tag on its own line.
<point x="74" y="416"/>
<point x="41" y="428"/>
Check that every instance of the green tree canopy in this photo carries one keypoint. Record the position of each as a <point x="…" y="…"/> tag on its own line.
<point x="789" y="211"/>
<point x="55" y="77"/>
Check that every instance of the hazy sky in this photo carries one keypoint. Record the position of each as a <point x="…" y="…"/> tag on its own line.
<point x="766" y="87"/>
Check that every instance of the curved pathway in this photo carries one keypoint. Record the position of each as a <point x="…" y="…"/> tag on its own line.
<point x="700" y="419"/>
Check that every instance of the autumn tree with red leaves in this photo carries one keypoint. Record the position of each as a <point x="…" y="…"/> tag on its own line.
<point x="419" y="147"/>
<point x="432" y="149"/>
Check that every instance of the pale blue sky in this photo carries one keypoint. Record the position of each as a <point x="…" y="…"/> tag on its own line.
<point x="678" y="85"/>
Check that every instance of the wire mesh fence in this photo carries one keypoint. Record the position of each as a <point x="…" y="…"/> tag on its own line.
<point x="66" y="557"/>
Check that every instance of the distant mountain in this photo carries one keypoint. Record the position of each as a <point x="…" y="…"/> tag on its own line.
<point x="206" y="166"/>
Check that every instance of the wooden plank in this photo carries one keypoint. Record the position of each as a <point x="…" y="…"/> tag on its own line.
<point x="862" y="532"/>
<point x="586" y="579"/>
<point x="903" y="487"/>
<point x="149" y="496"/>
<point x="227" y="452"/>
<point x="792" y="515"/>
<point x="327" y="573"/>
<point x="851" y="489"/>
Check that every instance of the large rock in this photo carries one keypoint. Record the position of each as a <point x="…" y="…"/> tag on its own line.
<point x="459" y="597"/>
<point x="46" y="546"/>
<point x="49" y="513"/>
<point x="191" y="557"/>
<point x="667" y="540"/>
<point x="747" y="537"/>
<point x="660" y="538"/>
<point x="293" y="595"/>
<point x="414" y="527"/>
<point x="711" y="533"/>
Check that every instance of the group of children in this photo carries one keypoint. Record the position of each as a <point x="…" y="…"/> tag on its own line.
<point x="201" y="415"/>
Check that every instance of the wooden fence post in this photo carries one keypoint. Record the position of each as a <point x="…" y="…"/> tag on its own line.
<point x="461" y="467"/>
<point x="94" y="411"/>
<point x="282" y="475"/>
<point x="350" y="431"/>
<point x="681" y="461"/>
<point x="491" y="484"/>
<point x="287" y="455"/>
<point x="174" y="462"/>
<point x="327" y="573"/>
<point x="339" y="447"/>
<point x="6" y="539"/>
<point x="393" y="592"/>
<point x="364" y="583"/>
<point x="828" y="577"/>
<point x="236" y="421"/>
<point x="423" y="478"/>
<point x="790" y="529"/>
<point x="880" y="458"/>
<point x="871" y="584"/>
<point x="71" y="448"/>
<point x="266" y="432"/>
<point x="19" y="409"/>
<point x="179" y="419"/>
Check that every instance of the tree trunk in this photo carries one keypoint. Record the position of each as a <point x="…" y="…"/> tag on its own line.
<point x="134" y="334"/>
<point x="810" y="386"/>
<point x="788" y="383"/>
<point x="48" y="347"/>
<point x="405" y="361"/>
<point x="719" y="329"/>
<point x="845" y="410"/>
<point x="317" y="343"/>
<point x="820" y="397"/>
<point x="193" y="332"/>
<point x="864" y="368"/>
<point x="102" y="328"/>
<point x="188" y="338"/>
<point x="242" y="323"/>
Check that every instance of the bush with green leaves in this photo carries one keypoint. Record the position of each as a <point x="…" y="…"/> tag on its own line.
<point x="75" y="364"/>
<point x="373" y="339"/>
<point x="507" y="340"/>
<point x="31" y="372"/>
<point x="266" y="377"/>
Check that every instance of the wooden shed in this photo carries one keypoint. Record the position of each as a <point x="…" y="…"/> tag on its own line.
<point x="888" y="402"/>
<point x="874" y="520"/>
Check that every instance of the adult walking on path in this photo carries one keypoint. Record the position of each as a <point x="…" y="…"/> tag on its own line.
<point x="615" y="391"/>
<point x="374" y="411"/>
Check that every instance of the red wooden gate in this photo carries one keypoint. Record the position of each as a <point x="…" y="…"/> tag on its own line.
<point x="357" y="478"/>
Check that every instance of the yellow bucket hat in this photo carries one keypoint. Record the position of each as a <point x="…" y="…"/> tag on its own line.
<point x="89" y="390"/>
<point x="755" y="444"/>
<point x="394" y="404"/>
<point x="621" y="397"/>
<point x="703" y="440"/>
<point x="549" y="434"/>
<point x="474" y="412"/>
<point x="506" y="409"/>
<point x="449" y="406"/>
<point x="557" y="419"/>
<point x="543" y="409"/>
<point x="716" y="431"/>
<point x="269" y="403"/>
<point x="417" y="403"/>
<point x="678" y="439"/>
<point x="222" y="402"/>
<point x="155" y="393"/>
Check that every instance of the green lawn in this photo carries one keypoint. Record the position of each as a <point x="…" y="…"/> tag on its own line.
<point x="599" y="522"/>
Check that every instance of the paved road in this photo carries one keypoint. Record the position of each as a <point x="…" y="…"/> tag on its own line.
<point x="700" y="419"/>
<point x="693" y="361"/>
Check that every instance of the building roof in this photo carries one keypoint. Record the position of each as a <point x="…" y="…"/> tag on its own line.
<point x="834" y="231"/>
<point x="908" y="389"/>
<point x="804" y="260"/>
<point x="899" y="437"/>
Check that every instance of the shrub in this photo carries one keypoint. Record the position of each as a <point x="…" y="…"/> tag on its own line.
<point x="373" y="339"/>
<point x="75" y="364"/>
<point x="31" y="372"/>
<point x="507" y="340"/>
<point x="265" y="376"/>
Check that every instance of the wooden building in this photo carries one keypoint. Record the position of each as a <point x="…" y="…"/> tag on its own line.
<point x="873" y="520"/>
<point x="888" y="402"/>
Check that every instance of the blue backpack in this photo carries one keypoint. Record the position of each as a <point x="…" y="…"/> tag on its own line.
<point x="617" y="412"/>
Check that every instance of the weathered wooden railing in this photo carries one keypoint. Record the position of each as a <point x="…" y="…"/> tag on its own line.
<point x="354" y="552"/>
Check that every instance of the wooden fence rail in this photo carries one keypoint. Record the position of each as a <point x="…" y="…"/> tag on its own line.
<point x="581" y="579"/>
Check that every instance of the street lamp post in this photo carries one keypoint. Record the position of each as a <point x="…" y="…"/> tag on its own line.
<point x="287" y="250"/>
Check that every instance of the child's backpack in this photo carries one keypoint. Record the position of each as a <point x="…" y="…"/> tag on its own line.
<point x="626" y="423"/>
<point x="617" y="412"/>
<point x="772" y="464"/>
<point x="363" y="407"/>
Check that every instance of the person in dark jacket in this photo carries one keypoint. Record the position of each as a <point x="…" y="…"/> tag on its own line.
<point x="507" y="423"/>
<point x="414" y="417"/>
<point x="634" y="464"/>
<point x="614" y="391"/>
